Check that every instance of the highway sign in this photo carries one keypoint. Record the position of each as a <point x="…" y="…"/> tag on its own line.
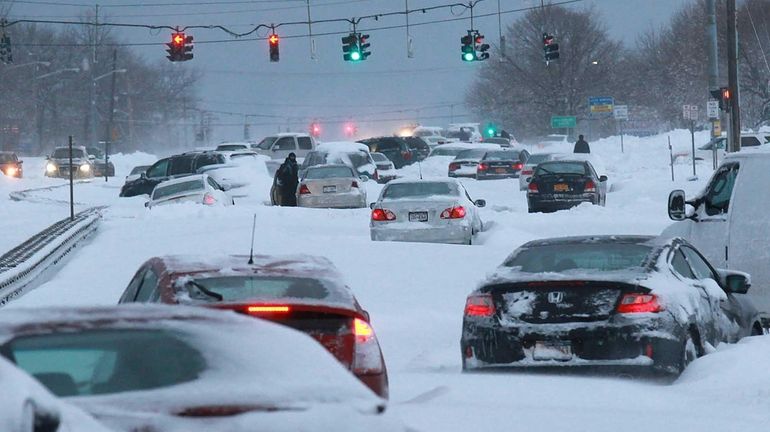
<point x="620" y="112"/>
<point x="601" y="104"/>
<point x="563" y="122"/>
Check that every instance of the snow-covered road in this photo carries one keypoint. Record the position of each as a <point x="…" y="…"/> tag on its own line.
<point x="415" y="294"/>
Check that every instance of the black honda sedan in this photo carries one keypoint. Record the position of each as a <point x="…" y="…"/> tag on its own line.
<point x="563" y="184"/>
<point x="628" y="301"/>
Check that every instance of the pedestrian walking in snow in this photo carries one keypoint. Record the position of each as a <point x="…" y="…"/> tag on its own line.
<point x="288" y="179"/>
<point x="581" y="146"/>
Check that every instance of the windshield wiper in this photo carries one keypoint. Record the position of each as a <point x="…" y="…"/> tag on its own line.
<point x="546" y="171"/>
<point x="204" y="290"/>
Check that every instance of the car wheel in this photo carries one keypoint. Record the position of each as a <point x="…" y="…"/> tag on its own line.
<point x="689" y="353"/>
<point x="757" y="330"/>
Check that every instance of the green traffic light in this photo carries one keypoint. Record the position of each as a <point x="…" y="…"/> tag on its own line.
<point x="468" y="57"/>
<point x="491" y="132"/>
<point x="355" y="56"/>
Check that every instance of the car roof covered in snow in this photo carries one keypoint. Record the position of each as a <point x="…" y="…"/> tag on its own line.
<point x="335" y="147"/>
<point x="182" y="179"/>
<point x="598" y="239"/>
<point x="424" y="180"/>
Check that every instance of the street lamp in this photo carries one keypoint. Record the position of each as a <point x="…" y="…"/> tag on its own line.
<point x="93" y="98"/>
<point x="60" y="71"/>
<point x="34" y="63"/>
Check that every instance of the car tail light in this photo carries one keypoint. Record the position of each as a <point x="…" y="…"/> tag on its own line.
<point x="479" y="305"/>
<point x="518" y="166"/>
<point x="381" y="215"/>
<point x="367" y="358"/>
<point x="407" y="155"/>
<point x="590" y="186"/>
<point x="639" y="303"/>
<point x="268" y="309"/>
<point x="527" y="172"/>
<point x="354" y="184"/>
<point x="303" y="190"/>
<point x="457" y="212"/>
<point x="532" y="188"/>
<point x="209" y="199"/>
<point x="483" y="167"/>
<point x="454" y="166"/>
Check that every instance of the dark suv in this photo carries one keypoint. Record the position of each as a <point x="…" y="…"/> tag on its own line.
<point x="394" y="148"/>
<point x="420" y="149"/>
<point x="170" y="167"/>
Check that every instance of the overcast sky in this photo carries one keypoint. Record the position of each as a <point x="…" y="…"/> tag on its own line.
<point x="379" y="94"/>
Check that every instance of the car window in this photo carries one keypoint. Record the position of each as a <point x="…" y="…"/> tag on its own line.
<point x="358" y="158"/>
<point x="285" y="143"/>
<point x="266" y="143"/>
<point x="158" y="169"/>
<point x="421" y="189"/>
<point x="213" y="183"/>
<point x="698" y="265"/>
<point x="720" y="190"/>
<point x="181" y="165"/>
<point x="750" y="141"/>
<point x="207" y="159"/>
<point x="138" y="170"/>
<point x="231" y="147"/>
<point x="446" y="151"/>
<point x="379" y="157"/>
<point x="305" y="143"/>
<point x="471" y="154"/>
<point x="550" y="168"/>
<point x="260" y="288"/>
<point x="148" y="291"/>
<point x="329" y="172"/>
<point x="679" y="263"/>
<point x="162" y="190"/>
<point x="537" y="158"/>
<point x="501" y="156"/>
<point x="130" y="293"/>
<point x="579" y="256"/>
<point x="7" y="157"/>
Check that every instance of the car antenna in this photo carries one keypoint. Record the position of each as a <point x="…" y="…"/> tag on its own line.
<point x="253" y="229"/>
<point x="419" y="166"/>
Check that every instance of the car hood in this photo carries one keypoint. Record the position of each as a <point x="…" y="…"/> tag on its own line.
<point x="67" y="160"/>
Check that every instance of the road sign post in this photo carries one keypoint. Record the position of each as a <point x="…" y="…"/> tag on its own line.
<point x="620" y="112"/>
<point x="690" y="112"/>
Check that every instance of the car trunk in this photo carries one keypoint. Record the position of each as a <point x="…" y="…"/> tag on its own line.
<point x="561" y="184"/>
<point x="420" y="211"/>
<point x="557" y="301"/>
<point x="327" y="186"/>
<point x="195" y="197"/>
<point x="501" y="167"/>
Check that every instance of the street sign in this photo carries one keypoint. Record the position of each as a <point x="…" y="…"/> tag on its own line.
<point x="620" y="112"/>
<point x="716" y="128"/>
<point x="601" y="104"/>
<point x="690" y="112"/>
<point x="563" y="122"/>
<point x="712" y="107"/>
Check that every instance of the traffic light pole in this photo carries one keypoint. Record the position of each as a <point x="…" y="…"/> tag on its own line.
<point x="734" y="120"/>
<point x="108" y="134"/>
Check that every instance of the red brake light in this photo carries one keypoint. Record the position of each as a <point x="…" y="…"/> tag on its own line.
<point x="479" y="305"/>
<point x="527" y="172"/>
<point x="354" y="184"/>
<point x="483" y="167"/>
<point x="532" y="188"/>
<point x="454" y="166"/>
<point x="303" y="190"/>
<point x="381" y="215"/>
<point x="590" y="186"/>
<point x="453" y="213"/>
<point x="517" y="166"/>
<point x="268" y="309"/>
<point x="209" y="199"/>
<point x="639" y="303"/>
<point x="407" y="155"/>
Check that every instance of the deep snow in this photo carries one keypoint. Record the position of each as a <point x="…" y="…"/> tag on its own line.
<point x="415" y="293"/>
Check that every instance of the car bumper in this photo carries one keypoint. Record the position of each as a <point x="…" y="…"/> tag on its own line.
<point x="493" y="176"/>
<point x="634" y="344"/>
<point x="467" y="174"/>
<point x="454" y="234"/>
<point x="64" y="173"/>
<point x="378" y="383"/>
<point x="332" y="201"/>
<point x="559" y="202"/>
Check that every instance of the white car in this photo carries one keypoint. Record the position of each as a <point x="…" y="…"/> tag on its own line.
<point x="331" y="186"/>
<point x="468" y="132"/>
<point x="280" y="145"/>
<point x="432" y="210"/>
<point x="136" y="172"/>
<point x="198" y="188"/>
<point x="386" y="170"/>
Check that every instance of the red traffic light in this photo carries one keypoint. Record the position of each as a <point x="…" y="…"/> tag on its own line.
<point x="479" y="39"/>
<point x="273" y="39"/>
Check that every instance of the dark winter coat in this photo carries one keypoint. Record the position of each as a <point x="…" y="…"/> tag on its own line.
<point x="582" y="147"/>
<point x="288" y="179"/>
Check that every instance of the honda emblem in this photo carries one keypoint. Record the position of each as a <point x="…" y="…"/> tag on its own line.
<point x="555" y="297"/>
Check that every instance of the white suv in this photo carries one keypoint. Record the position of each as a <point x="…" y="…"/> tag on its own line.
<point x="280" y="145"/>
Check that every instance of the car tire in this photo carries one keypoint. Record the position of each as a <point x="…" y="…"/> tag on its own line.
<point x="690" y="352"/>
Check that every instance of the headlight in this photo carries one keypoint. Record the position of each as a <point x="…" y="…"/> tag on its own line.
<point x="11" y="171"/>
<point x="85" y="168"/>
<point x="50" y="167"/>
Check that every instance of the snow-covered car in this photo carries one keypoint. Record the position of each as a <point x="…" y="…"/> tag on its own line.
<point x="58" y="163"/>
<point x="386" y="171"/>
<point x="563" y="184"/>
<point x="396" y="149"/>
<point x="304" y="292"/>
<point x="181" y="368"/>
<point x="136" y="172"/>
<point x="331" y="186"/>
<point x="428" y="131"/>
<point x="430" y="210"/>
<point x="501" y="164"/>
<point x="197" y="188"/>
<point x="171" y="167"/>
<point x="529" y="167"/>
<point x="96" y="156"/>
<point x="465" y="132"/>
<point x="466" y="163"/>
<point x="233" y="147"/>
<point x="434" y="141"/>
<point x="636" y="301"/>
<point x="280" y="145"/>
<point x="352" y="154"/>
<point x="26" y="406"/>
<point x="455" y="148"/>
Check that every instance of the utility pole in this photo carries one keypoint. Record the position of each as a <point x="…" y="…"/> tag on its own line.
<point x="734" y="132"/>
<point x="711" y="39"/>
<point x="108" y="134"/>
<point x="92" y="70"/>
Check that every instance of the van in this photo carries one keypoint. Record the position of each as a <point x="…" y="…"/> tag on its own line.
<point x="280" y="145"/>
<point x="729" y="221"/>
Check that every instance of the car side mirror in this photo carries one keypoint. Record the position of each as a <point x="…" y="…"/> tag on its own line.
<point x="143" y="175"/>
<point x="91" y="157"/>
<point x="224" y="186"/>
<point x="480" y="203"/>
<point x="603" y="178"/>
<point x="677" y="205"/>
<point x="736" y="282"/>
<point x="371" y="205"/>
<point x="147" y="204"/>
<point x="364" y="178"/>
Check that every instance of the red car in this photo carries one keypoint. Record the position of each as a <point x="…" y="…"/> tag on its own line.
<point x="303" y="292"/>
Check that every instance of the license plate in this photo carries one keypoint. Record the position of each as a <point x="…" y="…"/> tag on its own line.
<point x="560" y="187"/>
<point x="418" y="217"/>
<point x="552" y="350"/>
<point x="330" y="189"/>
<point x="501" y="170"/>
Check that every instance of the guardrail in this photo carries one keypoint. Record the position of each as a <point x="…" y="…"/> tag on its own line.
<point x="22" y="265"/>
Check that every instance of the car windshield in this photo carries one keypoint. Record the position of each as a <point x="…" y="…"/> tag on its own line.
<point x="98" y="362"/>
<point x="556" y="168"/>
<point x="580" y="256"/>
<point x="162" y="191"/>
<point x="537" y="158"/>
<point x="7" y="157"/>
<point x="98" y="154"/>
<point x="419" y="189"/>
<point x="139" y="169"/>
<point x="266" y="143"/>
<point x="501" y="156"/>
<point x="255" y="288"/>
<point x="379" y="157"/>
<point x="328" y="172"/>
<point x="471" y="154"/>
<point x="447" y="151"/>
<point x="231" y="147"/>
<point x="64" y="153"/>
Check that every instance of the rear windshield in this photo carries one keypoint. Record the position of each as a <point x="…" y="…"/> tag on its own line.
<point x="231" y="147"/>
<point x="471" y="154"/>
<point x="582" y="256"/>
<point x="98" y="362"/>
<point x="254" y="288"/>
<point x="422" y="189"/>
<point x="7" y="157"/>
<point x="750" y="141"/>
<point x="177" y="188"/>
<point x="328" y="172"/>
<point x="379" y="157"/>
<point x="63" y="153"/>
<point x="139" y="169"/>
<point x="536" y="158"/>
<point x="502" y="156"/>
<point x="550" y="168"/>
<point x="446" y="151"/>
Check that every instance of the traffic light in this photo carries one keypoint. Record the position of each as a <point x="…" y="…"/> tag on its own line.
<point x="363" y="45"/>
<point x="354" y="47"/>
<point x="6" y="55"/>
<point x="315" y="129"/>
<point x="481" y="48"/>
<point x="350" y="129"/>
<point x="180" y="48"/>
<point x="469" y="51"/>
<point x="550" y="48"/>
<point x="723" y="96"/>
<point x="490" y="130"/>
<point x="274" y="41"/>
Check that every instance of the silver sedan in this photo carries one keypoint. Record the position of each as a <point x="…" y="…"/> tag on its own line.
<point x="436" y="211"/>
<point x="331" y="186"/>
